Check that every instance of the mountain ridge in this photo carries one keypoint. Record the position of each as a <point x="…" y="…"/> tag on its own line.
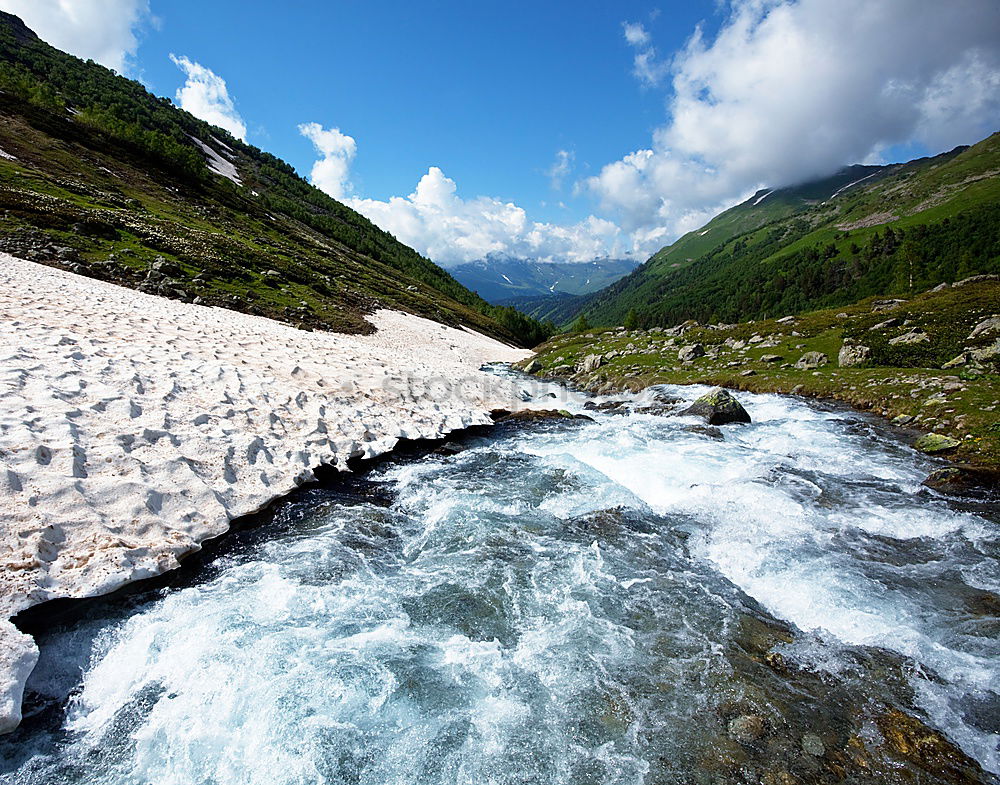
<point x="822" y="243"/>
<point x="500" y="277"/>
<point x="104" y="178"/>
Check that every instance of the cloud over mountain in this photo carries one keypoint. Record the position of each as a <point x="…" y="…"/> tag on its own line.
<point x="787" y="91"/>
<point x="436" y="221"/>
<point x="205" y="95"/>
<point x="101" y="30"/>
<point x="331" y="171"/>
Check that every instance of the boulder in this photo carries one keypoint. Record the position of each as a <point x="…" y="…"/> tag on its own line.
<point x="533" y="366"/>
<point x="935" y="443"/>
<point x="963" y="478"/>
<point x="771" y="358"/>
<point x="591" y="363"/>
<point x="853" y="354"/>
<point x="916" y="335"/>
<point x="718" y="407"/>
<point x="811" y="360"/>
<point x="893" y="322"/>
<point x="691" y="352"/>
<point x="957" y="362"/>
<point x="976" y="279"/>
<point x="990" y="356"/>
<point x="161" y="266"/>
<point x="986" y="327"/>
<point x="886" y="305"/>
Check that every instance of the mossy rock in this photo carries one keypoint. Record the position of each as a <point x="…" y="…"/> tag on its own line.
<point x="935" y="443"/>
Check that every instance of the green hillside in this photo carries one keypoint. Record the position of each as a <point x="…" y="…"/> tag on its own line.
<point x="763" y="207"/>
<point x="897" y="229"/>
<point x="100" y="176"/>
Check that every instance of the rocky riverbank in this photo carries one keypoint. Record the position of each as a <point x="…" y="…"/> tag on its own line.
<point x="929" y="363"/>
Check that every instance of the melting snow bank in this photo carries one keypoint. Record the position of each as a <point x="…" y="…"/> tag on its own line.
<point x="133" y="427"/>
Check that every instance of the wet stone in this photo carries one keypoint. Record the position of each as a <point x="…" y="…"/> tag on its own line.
<point x="813" y="745"/>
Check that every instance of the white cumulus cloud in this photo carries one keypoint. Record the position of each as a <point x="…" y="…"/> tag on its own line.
<point x="205" y="95"/>
<point x="789" y="90"/>
<point x="101" y="30"/>
<point x="331" y="172"/>
<point x="449" y="230"/>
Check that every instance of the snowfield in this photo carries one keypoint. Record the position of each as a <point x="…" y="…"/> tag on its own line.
<point x="134" y="427"/>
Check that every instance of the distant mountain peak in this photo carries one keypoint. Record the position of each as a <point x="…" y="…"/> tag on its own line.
<point x="500" y="276"/>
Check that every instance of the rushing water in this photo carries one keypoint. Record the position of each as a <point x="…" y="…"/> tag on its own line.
<point x="576" y="602"/>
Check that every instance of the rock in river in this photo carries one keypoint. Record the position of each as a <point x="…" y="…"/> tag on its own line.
<point x="718" y="407"/>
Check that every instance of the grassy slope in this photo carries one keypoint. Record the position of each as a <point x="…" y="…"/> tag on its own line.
<point x="762" y="208"/>
<point x="750" y="242"/>
<point x="85" y="191"/>
<point x="901" y="381"/>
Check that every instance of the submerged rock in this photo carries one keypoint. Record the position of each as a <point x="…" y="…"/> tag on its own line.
<point x="747" y="728"/>
<point x="909" y="739"/>
<point x="706" y="430"/>
<point x="530" y="415"/>
<point x="813" y="745"/>
<point x="718" y="407"/>
<point x="607" y="407"/>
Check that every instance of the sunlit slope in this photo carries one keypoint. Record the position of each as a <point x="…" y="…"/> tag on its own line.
<point x="868" y="230"/>
<point x="99" y="175"/>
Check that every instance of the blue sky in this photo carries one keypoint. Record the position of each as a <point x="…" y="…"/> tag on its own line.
<point x="563" y="130"/>
<point x="488" y="92"/>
